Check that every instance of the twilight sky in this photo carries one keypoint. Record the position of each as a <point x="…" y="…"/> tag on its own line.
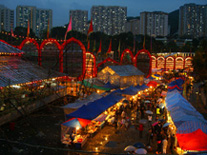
<point x="134" y="7"/>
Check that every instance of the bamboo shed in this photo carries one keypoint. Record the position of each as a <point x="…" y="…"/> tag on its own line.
<point x="123" y="76"/>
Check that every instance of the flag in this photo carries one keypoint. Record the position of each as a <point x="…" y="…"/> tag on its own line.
<point x="144" y="43"/>
<point x="88" y="45"/>
<point x="90" y="30"/>
<point x="109" y="49"/>
<point x="12" y="32"/>
<point x="94" y="46"/>
<point x="28" y="29"/>
<point x="99" y="49"/>
<point x="69" y="27"/>
<point x="48" y="29"/>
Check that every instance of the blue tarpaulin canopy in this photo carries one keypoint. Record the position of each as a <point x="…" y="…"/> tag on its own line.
<point x="142" y="87"/>
<point x="93" y="109"/>
<point x="130" y="91"/>
<point x="186" y="118"/>
<point x="79" y="103"/>
<point x="177" y="82"/>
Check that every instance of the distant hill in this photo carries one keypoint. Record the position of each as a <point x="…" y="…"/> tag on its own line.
<point x="173" y="21"/>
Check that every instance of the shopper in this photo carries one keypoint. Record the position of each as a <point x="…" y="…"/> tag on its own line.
<point x="141" y="128"/>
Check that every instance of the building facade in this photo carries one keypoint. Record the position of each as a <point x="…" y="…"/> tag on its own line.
<point x="133" y="26"/>
<point x="193" y="20"/>
<point x="6" y="18"/>
<point x="43" y="19"/>
<point x="109" y="19"/>
<point x="38" y="18"/>
<point x="154" y="23"/>
<point x="79" y="20"/>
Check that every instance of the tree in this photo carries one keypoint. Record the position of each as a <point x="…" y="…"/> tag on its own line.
<point x="22" y="31"/>
<point x="200" y="61"/>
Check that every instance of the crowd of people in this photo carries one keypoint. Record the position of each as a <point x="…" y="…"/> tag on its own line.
<point x="149" y="125"/>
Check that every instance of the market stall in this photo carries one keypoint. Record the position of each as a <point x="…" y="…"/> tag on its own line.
<point x="73" y="132"/>
<point x="188" y="124"/>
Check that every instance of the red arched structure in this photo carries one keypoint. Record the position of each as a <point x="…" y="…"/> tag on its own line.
<point x="177" y="63"/>
<point x="83" y="50"/>
<point x="170" y="63"/>
<point x="33" y="41"/>
<point x="150" y="63"/>
<point x="88" y="64"/>
<point x="50" y="40"/>
<point x="187" y="64"/>
<point x="29" y="40"/>
<point x="127" y="51"/>
<point x="159" y="65"/>
<point x="107" y="60"/>
<point x="154" y="61"/>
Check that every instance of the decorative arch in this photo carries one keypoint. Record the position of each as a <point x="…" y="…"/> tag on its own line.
<point x="31" y="54"/>
<point x="188" y="63"/>
<point x="107" y="60"/>
<point x="45" y="42"/>
<point x="170" y="63"/>
<point x="29" y="40"/>
<point x="150" y="61"/>
<point x="154" y="61"/>
<point x="91" y="70"/>
<point x="161" y="62"/>
<point x="127" y="51"/>
<point x="83" y="52"/>
<point x="179" y="62"/>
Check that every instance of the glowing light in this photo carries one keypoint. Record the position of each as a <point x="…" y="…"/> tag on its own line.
<point x="106" y="138"/>
<point x="16" y="86"/>
<point x="77" y="128"/>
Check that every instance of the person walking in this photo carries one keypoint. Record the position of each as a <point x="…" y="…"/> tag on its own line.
<point x="164" y="145"/>
<point x="141" y="128"/>
<point x="149" y="120"/>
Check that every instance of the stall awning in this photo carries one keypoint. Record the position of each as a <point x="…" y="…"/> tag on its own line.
<point x="88" y="84"/>
<point x="196" y="141"/>
<point x="76" y="122"/>
<point x="130" y="91"/>
<point x="189" y="122"/>
<point x="142" y="87"/>
<point x="179" y="82"/>
<point x="79" y="103"/>
<point x="93" y="109"/>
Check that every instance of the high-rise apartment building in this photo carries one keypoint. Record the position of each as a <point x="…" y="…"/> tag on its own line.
<point x="25" y="13"/>
<point x="154" y="23"/>
<point x="38" y="18"/>
<point x="109" y="19"/>
<point x="6" y="18"/>
<point x="79" y="20"/>
<point x="42" y="18"/>
<point x="133" y="26"/>
<point x="193" y="20"/>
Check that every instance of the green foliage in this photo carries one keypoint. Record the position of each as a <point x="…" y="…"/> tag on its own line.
<point x="200" y="60"/>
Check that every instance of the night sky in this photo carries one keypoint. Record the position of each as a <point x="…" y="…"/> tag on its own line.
<point x="134" y="7"/>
